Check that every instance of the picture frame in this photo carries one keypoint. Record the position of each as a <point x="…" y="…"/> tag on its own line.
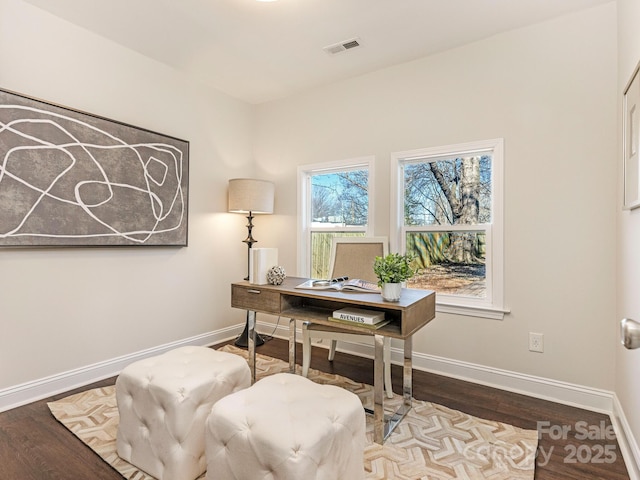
<point x="70" y="178"/>
<point x="631" y="138"/>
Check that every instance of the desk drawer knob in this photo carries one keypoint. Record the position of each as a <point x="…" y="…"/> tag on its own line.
<point x="253" y="291"/>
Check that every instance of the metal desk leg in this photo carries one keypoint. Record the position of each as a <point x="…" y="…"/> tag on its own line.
<point x="378" y="390"/>
<point x="251" y="322"/>
<point x="292" y="345"/>
<point x="407" y="374"/>
<point x="383" y="424"/>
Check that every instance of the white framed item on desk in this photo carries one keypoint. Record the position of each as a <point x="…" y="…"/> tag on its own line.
<point x="260" y="261"/>
<point x="631" y="136"/>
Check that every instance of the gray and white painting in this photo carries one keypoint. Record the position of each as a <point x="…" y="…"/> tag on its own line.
<point x="70" y="178"/>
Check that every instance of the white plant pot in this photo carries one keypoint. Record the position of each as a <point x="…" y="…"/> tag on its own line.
<point x="391" y="291"/>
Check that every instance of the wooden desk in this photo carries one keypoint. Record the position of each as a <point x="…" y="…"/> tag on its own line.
<point x="415" y="309"/>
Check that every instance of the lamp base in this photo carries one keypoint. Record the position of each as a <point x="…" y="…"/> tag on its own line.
<point x="243" y="340"/>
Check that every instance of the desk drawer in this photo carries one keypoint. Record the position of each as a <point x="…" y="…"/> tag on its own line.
<point x="255" y="298"/>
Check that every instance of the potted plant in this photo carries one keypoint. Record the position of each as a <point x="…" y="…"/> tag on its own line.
<point x="392" y="270"/>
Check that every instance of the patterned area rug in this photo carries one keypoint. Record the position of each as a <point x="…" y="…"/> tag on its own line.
<point x="432" y="442"/>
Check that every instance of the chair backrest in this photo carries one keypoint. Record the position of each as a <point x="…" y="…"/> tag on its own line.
<point x="354" y="256"/>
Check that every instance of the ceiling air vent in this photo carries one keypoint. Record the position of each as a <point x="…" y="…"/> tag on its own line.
<point x="342" y="46"/>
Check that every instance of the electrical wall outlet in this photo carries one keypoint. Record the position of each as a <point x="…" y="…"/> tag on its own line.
<point x="536" y="342"/>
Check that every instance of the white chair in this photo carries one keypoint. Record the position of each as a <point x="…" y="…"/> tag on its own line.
<point x="352" y="257"/>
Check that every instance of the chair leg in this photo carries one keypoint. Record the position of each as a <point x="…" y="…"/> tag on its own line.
<point x="306" y="357"/>
<point x="306" y="349"/>
<point x="332" y="350"/>
<point x="388" y="385"/>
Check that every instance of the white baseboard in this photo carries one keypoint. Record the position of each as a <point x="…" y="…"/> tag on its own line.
<point x="539" y="387"/>
<point x="626" y="440"/>
<point x="18" y="395"/>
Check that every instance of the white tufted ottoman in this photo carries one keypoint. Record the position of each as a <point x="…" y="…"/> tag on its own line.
<point x="286" y="427"/>
<point x="163" y="404"/>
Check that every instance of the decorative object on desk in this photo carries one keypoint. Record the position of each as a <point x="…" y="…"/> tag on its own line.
<point x="392" y="270"/>
<point x="261" y="260"/>
<point x="353" y="285"/>
<point x="250" y="196"/>
<point x="276" y="275"/>
<point x="391" y="292"/>
<point x="432" y="441"/>
<point x="69" y="178"/>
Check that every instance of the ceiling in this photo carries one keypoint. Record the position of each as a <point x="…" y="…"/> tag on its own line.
<point x="260" y="51"/>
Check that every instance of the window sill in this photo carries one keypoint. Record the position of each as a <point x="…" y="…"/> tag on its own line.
<point x="472" y="311"/>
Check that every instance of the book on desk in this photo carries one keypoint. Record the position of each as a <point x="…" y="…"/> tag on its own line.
<point x="370" y="326"/>
<point x="359" y="316"/>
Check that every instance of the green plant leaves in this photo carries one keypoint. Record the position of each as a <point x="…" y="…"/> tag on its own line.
<point x="393" y="268"/>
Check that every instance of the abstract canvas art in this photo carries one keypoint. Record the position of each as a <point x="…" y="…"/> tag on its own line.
<point x="69" y="178"/>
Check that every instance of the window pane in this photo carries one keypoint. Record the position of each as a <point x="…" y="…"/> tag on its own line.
<point x="340" y="199"/>
<point x="321" y="251"/>
<point x="451" y="263"/>
<point x="448" y="192"/>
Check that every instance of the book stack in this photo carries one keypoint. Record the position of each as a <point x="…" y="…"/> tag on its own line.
<point x="359" y="316"/>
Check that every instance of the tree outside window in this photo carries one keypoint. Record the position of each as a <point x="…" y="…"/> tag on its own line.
<point x="447" y="220"/>
<point x="455" y="191"/>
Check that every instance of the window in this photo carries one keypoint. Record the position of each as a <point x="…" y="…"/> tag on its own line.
<point x="334" y="200"/>
<point x="449" y="215"/>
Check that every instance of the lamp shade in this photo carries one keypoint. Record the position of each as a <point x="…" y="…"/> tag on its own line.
<point x="250" y="195"/>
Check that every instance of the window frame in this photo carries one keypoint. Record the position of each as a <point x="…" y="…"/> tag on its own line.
<point x="305" y="229"/>
<point x="492" y="306"/>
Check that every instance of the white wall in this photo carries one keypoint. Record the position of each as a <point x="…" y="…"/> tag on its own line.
<point x="628" y="361"/>
<point x="550" y="91"/>
<point x="62" y="309"/>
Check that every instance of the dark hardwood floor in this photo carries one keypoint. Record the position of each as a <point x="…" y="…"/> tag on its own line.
<point x="34" y="446"/>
